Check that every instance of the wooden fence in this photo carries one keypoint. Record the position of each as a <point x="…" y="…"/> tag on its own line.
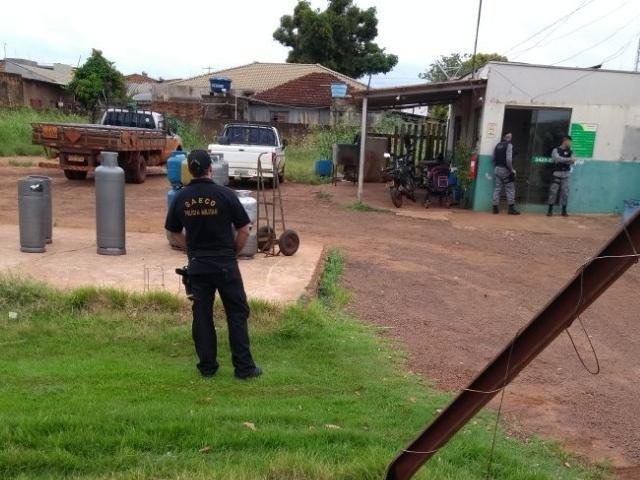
<point x="428" y="140"/>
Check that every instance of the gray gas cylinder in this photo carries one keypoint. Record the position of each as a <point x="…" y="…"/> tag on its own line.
<point x="250" y="205"/>
<point x="47" y="218"/>
<point x="110" y="205"/>
<point x="31" y="208"/>
<point x="220" y="169"/>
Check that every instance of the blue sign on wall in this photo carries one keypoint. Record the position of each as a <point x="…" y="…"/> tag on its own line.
<point x="338" y="90"/>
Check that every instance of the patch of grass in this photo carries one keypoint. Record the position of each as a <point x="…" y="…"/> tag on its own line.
<point x="101" y="384"/>
<point x="364" y="207"/>
<point x="15" y="129"/>
<point x="192" y="136"/>
<point x="316" y="145"/>
<point x="301" y="157"/>
<point x="323" y="195"/>
<point x="21" y="163"/>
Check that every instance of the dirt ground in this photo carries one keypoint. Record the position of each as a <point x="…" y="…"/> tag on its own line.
<point x="452" y="287"/>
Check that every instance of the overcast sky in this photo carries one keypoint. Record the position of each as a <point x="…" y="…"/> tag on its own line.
<point x="182" y="38"/>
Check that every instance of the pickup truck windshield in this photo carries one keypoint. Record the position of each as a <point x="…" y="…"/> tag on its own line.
<point x="247" y="135"/>
<point x="129" y="119"/>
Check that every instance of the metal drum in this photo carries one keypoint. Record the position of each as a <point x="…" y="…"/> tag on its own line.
<point x="110" y="212"/>
<point x="48" y="206"/>
<point x="31" y="208"/>
<point x="250" y="205"/>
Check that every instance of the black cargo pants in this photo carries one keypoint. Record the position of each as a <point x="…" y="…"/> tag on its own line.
<point x="208" y="274"/>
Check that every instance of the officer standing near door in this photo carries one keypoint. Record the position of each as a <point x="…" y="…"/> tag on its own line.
<point x="207" y="212"/>
<point x="563" y="158"/>
<point x="505" y="175"/>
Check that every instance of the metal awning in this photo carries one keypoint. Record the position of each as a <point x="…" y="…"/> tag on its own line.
<point x="418" y="95"/>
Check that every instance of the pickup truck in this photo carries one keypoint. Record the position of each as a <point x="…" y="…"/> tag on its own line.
<point x="242" y="143"/>
<point x="141" y="139"/>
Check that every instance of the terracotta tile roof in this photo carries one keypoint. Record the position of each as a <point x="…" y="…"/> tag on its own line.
<point x="311" y="90"/>
<point x="139" y="78"/>
<point x="257" y="77"/>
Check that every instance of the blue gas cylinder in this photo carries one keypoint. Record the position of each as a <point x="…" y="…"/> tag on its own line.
<point x="172" y="193"/>
<point x="174" y="167"/>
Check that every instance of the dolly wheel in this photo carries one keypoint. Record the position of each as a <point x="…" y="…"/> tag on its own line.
<point x="289" y="242"/>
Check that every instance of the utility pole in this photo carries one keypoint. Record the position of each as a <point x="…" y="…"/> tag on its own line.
<point x="475" y="43"/>
<point x="637" y="69"/>
<point x="363" y="141"/>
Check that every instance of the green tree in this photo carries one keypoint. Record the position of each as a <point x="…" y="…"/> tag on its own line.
<point x="97" y="79"/>
<point x="340" y="37"/>
<point x="457" y="65"/>
<point x="453" y="66"/>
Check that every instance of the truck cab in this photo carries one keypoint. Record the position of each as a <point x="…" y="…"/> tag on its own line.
<point x="243" y="143"/>
<point x="121" y="117"/>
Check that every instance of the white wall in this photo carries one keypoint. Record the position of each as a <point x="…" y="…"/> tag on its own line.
<point x="609" y="99"/>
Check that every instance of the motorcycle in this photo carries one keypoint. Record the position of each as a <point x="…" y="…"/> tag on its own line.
<point x="401" y="179"/>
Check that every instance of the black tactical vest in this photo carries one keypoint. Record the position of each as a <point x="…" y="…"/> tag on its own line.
<point x="564" y="153"/>
<point x="500" y="154"/>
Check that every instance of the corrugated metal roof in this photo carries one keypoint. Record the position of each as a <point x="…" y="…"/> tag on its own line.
<point x="257" y="77"/>
<point x="57" y="73"/>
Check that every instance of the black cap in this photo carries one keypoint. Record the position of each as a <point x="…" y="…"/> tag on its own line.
<point x="199" y="162"/>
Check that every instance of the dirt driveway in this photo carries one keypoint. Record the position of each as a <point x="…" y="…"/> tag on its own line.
<point x="452" y="287"/>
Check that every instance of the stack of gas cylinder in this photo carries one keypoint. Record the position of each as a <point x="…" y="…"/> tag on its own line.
<point x="179" y="176"/>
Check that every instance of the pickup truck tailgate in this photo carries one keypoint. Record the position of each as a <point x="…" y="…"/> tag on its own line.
<point x="244" y="156"/>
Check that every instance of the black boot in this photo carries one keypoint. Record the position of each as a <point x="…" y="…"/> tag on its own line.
<point x="512" y="210"/>
<point x="564" y="211"/>
<point x="550" y="211"/>
<point x="495" y="209"/>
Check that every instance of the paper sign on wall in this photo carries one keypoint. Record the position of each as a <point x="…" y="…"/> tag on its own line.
<point x="491" y="130"/>
<point x="584" y="139"/>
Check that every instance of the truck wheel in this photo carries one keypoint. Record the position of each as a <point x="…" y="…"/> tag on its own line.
<point x="281" y="176"/>
<point x="137" y="171"/>
<point x="75" y="174"/>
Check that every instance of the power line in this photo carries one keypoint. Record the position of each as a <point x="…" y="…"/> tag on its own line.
<point x="582" y="5"/>
<point x="564" y="35"/>
<point x="597" y="44"/>
<point x="620" y="51"/>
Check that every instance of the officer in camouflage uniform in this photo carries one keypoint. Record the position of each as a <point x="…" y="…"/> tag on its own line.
<point x="504" y="175"/>
<point x="559" y="191"/>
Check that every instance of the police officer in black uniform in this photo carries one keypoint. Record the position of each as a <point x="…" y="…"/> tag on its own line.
<point x="207" y="213"/>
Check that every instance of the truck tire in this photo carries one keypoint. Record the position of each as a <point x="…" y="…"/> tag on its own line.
<point x="75" y="174"/>
<point x="281" y="176"/>
<point x="137" y="170"/>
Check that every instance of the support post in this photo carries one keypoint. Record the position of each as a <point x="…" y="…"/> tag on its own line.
<point x="363" y="141"/>
<point x="475" y="43"/>
<point x="591" y="281"/>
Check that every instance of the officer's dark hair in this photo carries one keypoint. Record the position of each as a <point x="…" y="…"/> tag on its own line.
<point x="199" y="162"/>
<point x="567" y="137"/>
